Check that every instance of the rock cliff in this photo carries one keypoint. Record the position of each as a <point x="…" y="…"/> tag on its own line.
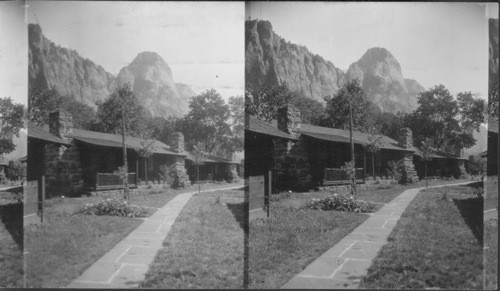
<point x="269" y="59"/>
<point x="64" y="70"/>
<point x="153" y="84"/>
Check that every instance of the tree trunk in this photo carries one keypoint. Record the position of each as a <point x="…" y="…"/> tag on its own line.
<point x="146" y="169"/>
<point x="353" y="179"/>
<point x="373" y="165"/>
<point x="125" y="164"/>
<point x="198" y="177"/>
<point x="425" y="176"/>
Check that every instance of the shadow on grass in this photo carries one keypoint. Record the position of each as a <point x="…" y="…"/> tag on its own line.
<point x="11" y="216"/>
<point x="238" y="211"/>
<point x="471" y="210"/>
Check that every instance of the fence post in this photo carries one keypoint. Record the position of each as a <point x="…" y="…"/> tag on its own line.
<point x="269" y="190"/>
<point x="41" y="196"/>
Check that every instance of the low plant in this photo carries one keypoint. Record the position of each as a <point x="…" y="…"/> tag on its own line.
<point x="341" y="202"/>
<point x="114" y="207"/>
<point x="396" y="170"/>
<point x="280" y="196"/>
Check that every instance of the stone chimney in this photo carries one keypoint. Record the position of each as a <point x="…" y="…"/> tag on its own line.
<point x="60" y="123"/>
<point x="405" y="137"/>
<point x="289" y="120"/>
<point x="176" y="142"/>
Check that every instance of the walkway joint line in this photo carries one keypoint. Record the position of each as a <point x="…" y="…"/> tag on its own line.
<point x="363" y="257"/>
<point x="148" y="244"/>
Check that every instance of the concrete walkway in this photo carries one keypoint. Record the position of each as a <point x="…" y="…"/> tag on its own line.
<point x="345" y="264"/>
<point x="126" y="264"/>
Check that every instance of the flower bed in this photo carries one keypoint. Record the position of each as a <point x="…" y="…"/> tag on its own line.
<point x="114" y="207"/>
<point x="341" y="202"/>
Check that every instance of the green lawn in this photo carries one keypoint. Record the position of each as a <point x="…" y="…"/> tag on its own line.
<point x="292" y="237"/>
<point x="437" y="243"/>
<point x="384" y="193"/>
<point x="66" y="244"/>
<point x="491" y="254"/>
<point x="11" y="242"/>
<point x="205" y="247"/>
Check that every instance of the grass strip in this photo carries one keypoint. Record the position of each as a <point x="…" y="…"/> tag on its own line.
<point x="204" y="248"/>
<point x="437" y="243"/>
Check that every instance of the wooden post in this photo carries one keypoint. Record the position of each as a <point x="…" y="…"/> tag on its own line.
<point x="269" y="191"/>
<point x="136" y="172"/>
<point x="364" y="161"/>
<point x="41" y="195"/>
<point x="146" y="169"/>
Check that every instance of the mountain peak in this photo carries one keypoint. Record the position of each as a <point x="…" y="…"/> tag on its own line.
<point x="71" y="75"/>
<point x="148" y="58"/>
<point x="378" y="53"/>
<point x="381" y="78"/>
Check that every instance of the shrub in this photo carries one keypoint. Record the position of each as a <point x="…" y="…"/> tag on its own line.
<point x="341" y="202"/>
<point x="169" y="174"/>
<point x="280" y="196"/>
<point x="396" y="170"/>
<point x="3" y="178"/>
<point x="114" y="207"/>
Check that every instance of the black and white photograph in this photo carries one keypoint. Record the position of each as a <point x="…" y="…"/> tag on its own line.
<point x="249" y="145"/>
<point x="135" y="144"/>
<point x="13" y="149"/>
<point x="365" y="145"/>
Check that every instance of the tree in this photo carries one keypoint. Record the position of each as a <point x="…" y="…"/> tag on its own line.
<point x="109" y="113"/>
<point x="198" y="154"/>
<point x="426" y="151"/>
<point x="146" y="150"/>
<point x="121" y="113"/>
<point x="40" y="103"/>
<point x="17" y="170"/>
<point x="160" y="128"/>
<point x="237" y="109"/>
<point x="207" y="122"/>
<point x="311" y="111"/>
<point x="349" y="169"/>
<point x="373" y="146"/>
<point x="11" y="122"/>
<point x="264" y="103"/>
<point x="447" y="122"/>
<point x="388" y="124"/>
<point x="337" y="108"/>
<point x="395" y="169"/>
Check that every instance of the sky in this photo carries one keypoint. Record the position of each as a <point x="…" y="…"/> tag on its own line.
<point x="203" y="43"/>
<point x="13" y="52"/>
<point x="435" y="43"/>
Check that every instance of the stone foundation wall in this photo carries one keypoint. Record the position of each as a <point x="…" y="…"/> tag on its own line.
<point x="63" y="171"/>
<point x="409" y="172"/>
<point x="291" y="165"/>
<point x="181" y="179"/>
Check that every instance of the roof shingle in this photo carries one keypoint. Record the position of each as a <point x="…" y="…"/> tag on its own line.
<point x="340" y="135"/>
<point x="115" y="140"/>
<point x="256" y="125"/>
<point x="37" y="132"/>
